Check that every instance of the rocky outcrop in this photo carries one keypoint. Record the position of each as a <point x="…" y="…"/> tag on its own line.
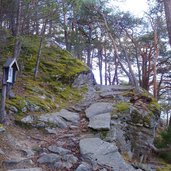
<point x="108" y="123"/>
<point x="132" y="122"/>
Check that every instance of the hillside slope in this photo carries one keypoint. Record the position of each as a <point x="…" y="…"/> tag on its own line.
<point x="52" y="89"/>
<point x="66" y="122"/>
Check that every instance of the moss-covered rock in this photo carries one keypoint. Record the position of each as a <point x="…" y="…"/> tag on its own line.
<point x="52" y="89"/>
<point x="122" y="106"/>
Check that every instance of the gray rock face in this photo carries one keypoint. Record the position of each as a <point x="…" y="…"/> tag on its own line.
<point x="28" y="119"/>
<point x="113" y="88"/>
<point x="51" y="130"/>
<point x="84" y="79"/>
<point x="53" y="119"/>
<point x="109" y="94"/>
<point x="103" y="153"/>
<point x="61" y="119"/>
<point x="60" y="158"/>
<point x="58" y="150"/>
<point x="49" y="158"/>
<point x="69" y="116"/>
<point x="98" y="108"/>
<point x="16" y="163"/>
<point x="58" y="161"/>
<point x="84" y="167"/>
<point x="12" y="110"/>
<point x="29" y="169"/>
<point x="100" y="122"/>
<point x="1" y="152"/>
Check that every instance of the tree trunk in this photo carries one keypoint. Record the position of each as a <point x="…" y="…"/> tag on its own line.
<point x="100" y="58"/>
<point x="154" y="27"/>
<point x="65" y="27"/>
<point x="89" y="47"/>
<point x="131" y="75"/>
<point x="39" y="50"/>
<point x="167" y="6"/>
<point x="109" y="74"/>
<point x="17" y="46"/>
<point x="155" y="63"/>
<point x="115" y="77"/>
<point x="37" y="20"/>
<point x="3" y="100"/>
<point x="105" y="67"/>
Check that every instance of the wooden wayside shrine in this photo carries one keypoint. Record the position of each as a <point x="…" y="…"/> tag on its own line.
<point x="10" y="69"/>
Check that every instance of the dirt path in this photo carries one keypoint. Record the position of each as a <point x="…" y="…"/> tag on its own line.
<point x="22" y="146"/>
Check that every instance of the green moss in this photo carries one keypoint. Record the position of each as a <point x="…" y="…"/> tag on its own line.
<point x="164" y="168"/>
<point x="52" y="89"/>
<point x="103" y="134"/>
<point x="147" y="120"/>
<point x="154" y="106"/>
<point x="136" y="117"/>
<point x="62" y="69"/>
<point x="19" y="102"/>
<point x="122" y="106"/>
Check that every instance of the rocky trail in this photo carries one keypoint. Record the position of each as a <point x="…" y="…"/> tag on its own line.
<point x="84" y="137"/>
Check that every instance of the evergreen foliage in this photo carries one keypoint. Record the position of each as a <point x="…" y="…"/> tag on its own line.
<point x="164" y="141"/>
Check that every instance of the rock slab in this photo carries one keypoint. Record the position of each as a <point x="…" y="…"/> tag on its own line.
<point x="100" y="122"/>
<point x="69" y="116"/>
<point x="29" y="169"/>
<point x="103" y="153"/>
<point x="60" y="158"/>
<point x="98" y="108"/>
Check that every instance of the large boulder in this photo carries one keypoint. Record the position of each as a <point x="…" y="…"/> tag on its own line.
<point x="134" y="127"/>
<point x="53" y="119"/>
<point x="103" y="153"/>
<point x="133" y="121"/>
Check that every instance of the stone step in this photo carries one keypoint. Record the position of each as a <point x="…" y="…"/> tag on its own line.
<point x="110" y="88"/>
<point x="28" y="169"/>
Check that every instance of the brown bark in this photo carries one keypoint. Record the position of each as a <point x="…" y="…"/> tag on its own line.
<point x="155" y="64"/>
<point x="156" y="54"/>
